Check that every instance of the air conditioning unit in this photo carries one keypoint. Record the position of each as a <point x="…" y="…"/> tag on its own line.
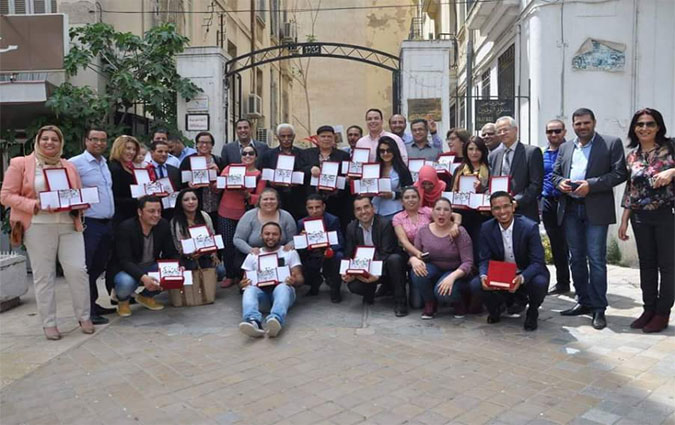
<point x="254" y="106"/>
<point x="289" y="32"/>
<point x="262" y="135"/>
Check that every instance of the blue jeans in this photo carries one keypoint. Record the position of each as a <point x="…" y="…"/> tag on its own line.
<point x="281" y="299"/>
<point x="98" y="237"/>
<point x="125" y="284"/>
<point x="588" y="248"/>
<point x="428" y="285"/>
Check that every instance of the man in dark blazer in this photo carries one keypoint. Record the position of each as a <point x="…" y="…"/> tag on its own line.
<point x="525" y="165"/>
<point x="139" y="243"/>
<point x="292" y="197"/>
<point x="370" y="229"/>
<point x="159" y="153"/>
<point x="320" y="263"/>
<point x="586" y="172"/>
<point x="338" y="202"/>
<point x="231" y="152"/>
<point x="514" y="239"/>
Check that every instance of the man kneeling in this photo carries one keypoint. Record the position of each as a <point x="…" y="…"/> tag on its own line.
<point x="514" y="239"/>
<point x="281" y="296"/>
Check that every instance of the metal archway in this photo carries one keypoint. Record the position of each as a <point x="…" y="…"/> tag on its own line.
<point x="241" y="63"/>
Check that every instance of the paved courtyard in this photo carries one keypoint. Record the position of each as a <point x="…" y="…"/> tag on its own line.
<point x="338" y="364"/>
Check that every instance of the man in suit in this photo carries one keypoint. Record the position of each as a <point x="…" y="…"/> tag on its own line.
<point x="555" y="133"/>
<point x="159" y="153"/>
<point x="370" y="229"/>
<point x="326" y="260"/>
<point x="523" y="163"/>
<point x="338" y="202"/>
<point x="586" y="172"/>
<point x="514" y="239"/>
<point x="231" y="152"/>
<point x="162" y="135"/>
<point x="489" y="135"/>
<point x="292" y="198"/>
<point x="139" y="243"/>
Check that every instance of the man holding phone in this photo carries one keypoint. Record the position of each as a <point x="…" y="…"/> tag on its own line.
<point x="586" y="171"/>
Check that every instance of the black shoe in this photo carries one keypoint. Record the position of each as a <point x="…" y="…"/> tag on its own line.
<point x="559" y="289"/>
<point x="99" y="320"/>
<point x="599" y="321"/>
<point x="102" y="311"/>
<point x="531" y="319"/>
<point x="401" y="310"/>
<point x="492" y="319"/>
<point x="335" y="297"/>
<point x="313" y="291"/>
<point x="515" y="309"/>
<point x="384" y="291"/>
<point x="577" y="310"/>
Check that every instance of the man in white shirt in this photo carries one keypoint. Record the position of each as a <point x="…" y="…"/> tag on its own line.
<point x="513" y="239"/>
<point x="281" y="296"/>
<point x="374" y="122"/>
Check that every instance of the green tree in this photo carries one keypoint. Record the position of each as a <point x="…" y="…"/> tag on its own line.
<point x="137" y="70"/>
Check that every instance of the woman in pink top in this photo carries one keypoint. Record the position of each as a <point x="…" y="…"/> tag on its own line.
<point x="413" y="217"/>
<point x="48" y="233"/>
<point x="233" y="205"/>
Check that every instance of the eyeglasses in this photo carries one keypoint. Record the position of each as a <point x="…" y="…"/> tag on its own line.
<point x="97" y="140"/>
<point x="554" y="131"/>
<point x="648" y="124"/>
<point x="248" y="153"/>
<point x="385" y="150"/>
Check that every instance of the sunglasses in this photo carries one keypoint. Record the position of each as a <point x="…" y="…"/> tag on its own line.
<point x="648" y="124"/>
<point x="248" y="153"/>
<point x="554" y="131"/>
<point x="385" y="150"/>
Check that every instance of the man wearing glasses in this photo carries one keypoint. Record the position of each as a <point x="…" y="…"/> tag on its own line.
<point x="98" y="231"/>
<point x="555" y="133"/>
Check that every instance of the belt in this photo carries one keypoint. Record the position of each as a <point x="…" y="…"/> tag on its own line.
<point x="98" y="220"/>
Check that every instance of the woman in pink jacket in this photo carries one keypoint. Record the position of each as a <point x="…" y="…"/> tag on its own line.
<point x="47" y="232"/>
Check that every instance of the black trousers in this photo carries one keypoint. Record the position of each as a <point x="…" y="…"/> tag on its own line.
<point x="535" y="290"/>
<point x="98" y="238"/>
<point x="316" y="268"/>
<point x="655" y="236"/>
<point x="393" y="273"/>
<point x="556" y="234"/>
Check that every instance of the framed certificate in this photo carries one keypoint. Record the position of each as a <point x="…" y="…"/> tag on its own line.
<point x="444" y="163"/>
<point x="414" y="165"/>
<point x="500" y="183"/>
<point x="466" y="184"/>
<point x="142" y="176"/>
<point x="267" y="269"/>
<point x="359" y="156"/>
<point x="170" y="274"/>
<point x="316" y="233"/>
<point x="235" y="177"/>
<point x="328" y="176"/>
<point x="56" y="179"/>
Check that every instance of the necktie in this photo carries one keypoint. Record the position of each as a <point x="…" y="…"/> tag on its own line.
<point x="160" y="171"/>
<point x="506" y="167"/>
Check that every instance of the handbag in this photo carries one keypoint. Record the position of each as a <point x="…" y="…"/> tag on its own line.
<point x="16" y="234"/>
<point x="202" y="291"/>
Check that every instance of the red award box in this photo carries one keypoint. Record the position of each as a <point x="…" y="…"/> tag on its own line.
<point x="501" y="274"/>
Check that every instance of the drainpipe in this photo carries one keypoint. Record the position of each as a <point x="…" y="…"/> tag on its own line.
<point x="469" y="79"/>
<point x="634" y="65"/>
<point x="563" y="45"/>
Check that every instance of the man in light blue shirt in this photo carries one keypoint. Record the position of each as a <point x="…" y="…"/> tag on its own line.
<point x="397" y="125"/>
<point x="178" y="149"/>
<point x="98" y="232"/>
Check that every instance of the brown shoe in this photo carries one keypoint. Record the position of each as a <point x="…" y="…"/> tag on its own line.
<point x="52" y="333"/>
<point x="227" y="283"/>
<point x="87" y="327"/>
<point x="641" y="321"/>
<point x="658" y="323"/>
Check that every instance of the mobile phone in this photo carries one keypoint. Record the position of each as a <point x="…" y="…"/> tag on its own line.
<point x="574" y="185"/>
<point x="424" y="256"/>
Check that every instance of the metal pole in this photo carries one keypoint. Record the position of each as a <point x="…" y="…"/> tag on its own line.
<point x="469" y="79"/>
<point x="529" y="112"/>
<point x="396" y="92"/>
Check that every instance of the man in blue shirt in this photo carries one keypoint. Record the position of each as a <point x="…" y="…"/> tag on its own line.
<point x="397" y="125"/>
<point x="98" y="230"/>
<point x="178" y="149"/>
<point x="555" y="133"/>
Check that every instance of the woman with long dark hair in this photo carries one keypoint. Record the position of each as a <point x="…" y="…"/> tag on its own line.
<point x="648" y="202"/>
<point x="393" y="167"/>
<point x="187" y="213"/>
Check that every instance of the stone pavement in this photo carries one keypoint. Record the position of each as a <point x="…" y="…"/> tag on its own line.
<point x="339" y="364"/>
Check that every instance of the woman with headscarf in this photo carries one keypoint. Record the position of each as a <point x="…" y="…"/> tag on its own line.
<point x="48" y="232"/>
<point x="429" y="186"/>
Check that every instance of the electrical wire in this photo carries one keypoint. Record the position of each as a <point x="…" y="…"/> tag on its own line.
<point x="303" y="10"/>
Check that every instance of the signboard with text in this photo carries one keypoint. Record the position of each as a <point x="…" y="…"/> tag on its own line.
<point x="488" y="110"/>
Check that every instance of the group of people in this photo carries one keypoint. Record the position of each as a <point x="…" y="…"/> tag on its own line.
<point x="432" y="253"/>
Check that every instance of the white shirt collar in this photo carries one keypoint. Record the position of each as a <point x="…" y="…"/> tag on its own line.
<point x="508" y="229"/>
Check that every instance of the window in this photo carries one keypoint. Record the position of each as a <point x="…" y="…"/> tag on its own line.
<point x="274" y="18"/>
<point x="259" y="82"/>
<point x="27" y="7"/>
<point x="485" y="85"/>
<point x="453" y="116"/>
<point x="506" y="75"/>
<point x="260" y="11"/>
